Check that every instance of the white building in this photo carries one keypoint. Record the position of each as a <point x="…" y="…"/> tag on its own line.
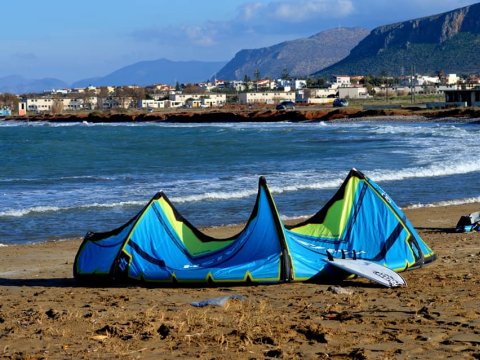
<point x="180" y="97"/>
<point x="39" y="104"/>
<point x="264" y="84"/>
<point x="209" y="99"/>
<point x="173" y="104"/>
<point x="72" y="104"/>
<point x="152" y="104"/>
<point x="270" y="97"/>
<point x="452" y="79"/>
<point x="237" y="85"/>
<point x="340" y="81"/>
<point x="289" y="85"/>
<point x="427" y="80"/>
<point x="299" y="84"/>
<point x="353" y="92"/>
<point x="317" y="96"/>
<point x="192" y="103"/>
<point x="114" y="102"/>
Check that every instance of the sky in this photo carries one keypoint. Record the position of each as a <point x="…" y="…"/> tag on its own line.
<point x="74" y="40"/>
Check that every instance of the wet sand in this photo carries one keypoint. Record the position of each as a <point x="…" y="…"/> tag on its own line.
<point x="44" y="314"/>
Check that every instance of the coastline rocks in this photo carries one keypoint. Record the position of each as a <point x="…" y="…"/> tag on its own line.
<point x="305" y="114"/>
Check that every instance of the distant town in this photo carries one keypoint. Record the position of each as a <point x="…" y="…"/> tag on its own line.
<point x="446" y="89"/>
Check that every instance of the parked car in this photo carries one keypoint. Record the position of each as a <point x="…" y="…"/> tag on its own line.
<point x="286" y="105"/>
<point x="338" y="102"/>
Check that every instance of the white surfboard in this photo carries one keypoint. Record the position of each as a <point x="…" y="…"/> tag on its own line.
<point x="369" y="270"/>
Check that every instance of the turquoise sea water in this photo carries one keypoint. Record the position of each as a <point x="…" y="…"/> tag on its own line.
<point x="61" y="180"/>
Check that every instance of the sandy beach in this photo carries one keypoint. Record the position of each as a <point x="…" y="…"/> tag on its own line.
<point x="44" y="314"/>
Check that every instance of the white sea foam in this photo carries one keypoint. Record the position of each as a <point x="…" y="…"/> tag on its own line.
<point x="46" y="209"/>
<point x="295" y="217"/>
<point x="64" y="124"/>
<point x="317" y="185"/>
<point x="23" y="212"/>
<point x="434" y="170"/>
<point x="427" y="130"/>
<point x="64" y="178"/>
<point x="220" y="195"/>
<point x="470" y="200"/>
<point x="218" y="189"/>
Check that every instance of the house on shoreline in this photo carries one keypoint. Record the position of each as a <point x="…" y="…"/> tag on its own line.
<point x="265" y="92"/>
<point x="468" y="97"/>
<point x="265" y="97"/>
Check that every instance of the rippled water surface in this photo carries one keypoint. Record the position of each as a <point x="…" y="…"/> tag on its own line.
<point x="62" y="180"/>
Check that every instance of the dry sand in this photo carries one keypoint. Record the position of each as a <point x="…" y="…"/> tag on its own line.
<point x="45" y="315"/>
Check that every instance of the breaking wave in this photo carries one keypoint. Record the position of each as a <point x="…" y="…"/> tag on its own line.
<point x="435" y="170"/>
<point x="46" y="209"/>
<point x="470" y="200"/>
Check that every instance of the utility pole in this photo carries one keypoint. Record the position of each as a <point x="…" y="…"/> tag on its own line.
<point x="412" y="84"/>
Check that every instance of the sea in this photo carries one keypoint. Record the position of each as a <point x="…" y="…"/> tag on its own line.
<point x="60" y="180"/>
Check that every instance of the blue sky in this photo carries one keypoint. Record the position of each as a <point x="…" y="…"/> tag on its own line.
<point x="73" y="40"/>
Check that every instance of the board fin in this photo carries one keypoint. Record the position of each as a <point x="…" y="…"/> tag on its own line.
<point x="330" y="256"/>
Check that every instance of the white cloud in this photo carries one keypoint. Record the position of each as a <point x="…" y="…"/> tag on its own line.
<point x="306" y="10"/>
<point x="260" y="23"/>
<point x="250" y="11"/>
<point x="291" y="11"/>
<point x="201" y="35"/>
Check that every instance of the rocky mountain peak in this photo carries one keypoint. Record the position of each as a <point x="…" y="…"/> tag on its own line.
<point x="449" y="41"/>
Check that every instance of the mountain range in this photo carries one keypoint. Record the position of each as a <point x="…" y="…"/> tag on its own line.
<point x="17" y="84"/>
<point x="299" y="58"/>
<point x="448" y="42"/>
<point x="142" y="73"/>
<point x="157" y="71"/>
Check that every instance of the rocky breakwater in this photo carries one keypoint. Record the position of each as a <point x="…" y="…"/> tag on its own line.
<point x="305" y="114"/>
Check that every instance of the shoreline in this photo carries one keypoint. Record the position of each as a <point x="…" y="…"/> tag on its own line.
<point x="228" y="230"/>
<point x="46" y="314"/>
<point x="236" y="115"/>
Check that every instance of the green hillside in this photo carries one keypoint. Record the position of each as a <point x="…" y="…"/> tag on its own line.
<point x="448" y="42"/>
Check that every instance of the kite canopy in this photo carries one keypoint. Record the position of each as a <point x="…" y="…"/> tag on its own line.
<point x="159" y="245"/>
<point x="360" y="221"/>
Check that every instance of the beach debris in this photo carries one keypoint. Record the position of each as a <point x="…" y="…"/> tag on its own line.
<point x="313" y="332"/>
<point x="425" y="312"/>
<point x="339" y="290"/>
<point x="99" y="337"/>
<point x="265" y="340"/>
<point x="469" y="223"/>
<point x="473" y="339"/>
<point x="163" y="331"/>
<point x="358" y="354"/>
<point x="273" y="353"/>
<point x="52" y="314"/>
<point x="108" y="330"/>
<point x="341" y="316"/>
<point x="217" y="301"/>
